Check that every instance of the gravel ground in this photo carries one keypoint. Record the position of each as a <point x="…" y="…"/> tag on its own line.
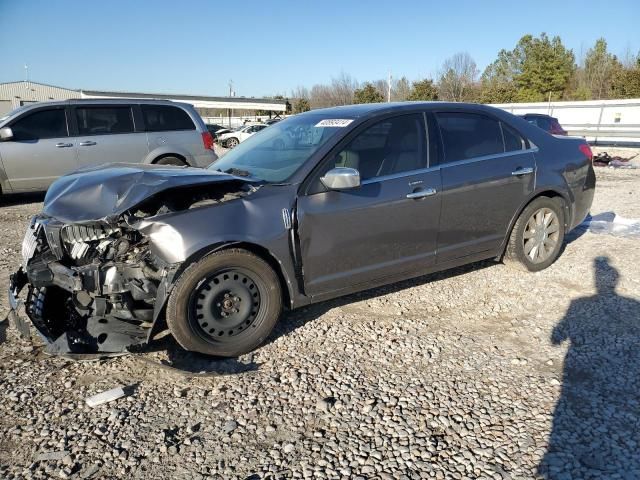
<point x="479" y="372"/>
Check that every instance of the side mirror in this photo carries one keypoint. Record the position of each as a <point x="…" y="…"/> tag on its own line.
<point x="341" y="178"/>
<point x="6" y="134"/>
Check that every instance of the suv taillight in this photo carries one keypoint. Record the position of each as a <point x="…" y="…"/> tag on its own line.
<point x="207" y="140"/>
<point x="586" y="150"/>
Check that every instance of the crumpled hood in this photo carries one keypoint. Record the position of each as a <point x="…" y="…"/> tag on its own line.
<point x="106" y="191"/>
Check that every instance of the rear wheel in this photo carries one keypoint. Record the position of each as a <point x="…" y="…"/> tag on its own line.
<point x="226" y="304"/>
<point x="232" y="142"/>
<point x="171" y="161"/>
<point x="537" y="236"/>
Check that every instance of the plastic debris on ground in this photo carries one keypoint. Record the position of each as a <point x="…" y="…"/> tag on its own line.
<point x="612" y="224"/>
<point x="105" y="397"/>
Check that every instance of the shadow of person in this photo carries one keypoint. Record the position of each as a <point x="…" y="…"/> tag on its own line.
<point x="596" y="423"/>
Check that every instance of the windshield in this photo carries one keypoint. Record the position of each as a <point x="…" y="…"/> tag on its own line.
<point x="12" y="113"/>
<point x="275" y="153"/>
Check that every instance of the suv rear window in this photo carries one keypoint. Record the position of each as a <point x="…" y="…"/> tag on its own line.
<point x="104" y="120"/>
<point x="40" y="125"/>
<point x="161" y="118"/>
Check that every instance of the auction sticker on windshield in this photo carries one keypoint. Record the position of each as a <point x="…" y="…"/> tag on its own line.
<point x="334" y="122"/>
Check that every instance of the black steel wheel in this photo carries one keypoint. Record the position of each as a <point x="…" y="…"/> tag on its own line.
<point x="225" y="304"/>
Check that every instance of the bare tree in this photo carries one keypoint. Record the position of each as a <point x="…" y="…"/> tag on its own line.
<point x="457" y="77"/>
<point x="400" y="90"/>
<point x="342" y="89"/>
<point x="300" y="92"/>
<point x="340" y="92"/>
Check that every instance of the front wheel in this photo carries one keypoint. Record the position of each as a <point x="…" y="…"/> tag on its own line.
<point x="226" y="304"/>
<point x="232" y="142"/>
<point x="537" y="236"/>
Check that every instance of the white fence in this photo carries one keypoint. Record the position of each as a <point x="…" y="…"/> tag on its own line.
<point x="610" y="122"/>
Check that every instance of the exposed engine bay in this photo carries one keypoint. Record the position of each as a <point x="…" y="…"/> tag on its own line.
<point x="97" y="286"/>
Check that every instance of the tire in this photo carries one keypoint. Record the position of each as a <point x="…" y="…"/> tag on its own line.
<point x="232" y="142"/>
<point x="530" y="247"/>
<point x="225" y="304"/>
<point x="171" y="161"/>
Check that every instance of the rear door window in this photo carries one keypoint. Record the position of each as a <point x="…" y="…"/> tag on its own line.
<point x="42" y="124"/>
<point x="469" y="135"/>
<point x="162" y="118"/>
<point x="104" y="120"/>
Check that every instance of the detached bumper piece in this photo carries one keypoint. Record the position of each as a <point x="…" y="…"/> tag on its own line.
<point x="88" y="290"/>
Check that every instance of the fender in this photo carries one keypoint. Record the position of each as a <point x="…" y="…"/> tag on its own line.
<point x="168" y="150"/>
<point x="166" y="286"/>
<point x="539" y="192"/>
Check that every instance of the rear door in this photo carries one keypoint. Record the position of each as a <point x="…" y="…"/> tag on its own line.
<point x="107" y="134"/>
<point x="168" y="125"/>
<point x="385" y="227"/>
<point x="487" y="173"/>
<point x="41" y="149"/>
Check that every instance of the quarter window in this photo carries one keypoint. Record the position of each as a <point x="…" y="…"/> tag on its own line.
<point x="162" y="118"/>
<point x="41" y="125"/>
<point x="104" y="120"/>
<point x="512" y="140"/>
<point x="469" y="135"/>
<point x="394" y="145"/>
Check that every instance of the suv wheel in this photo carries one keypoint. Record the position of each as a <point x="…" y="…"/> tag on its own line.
<point x="171" y="161"/>
<point x="226" y="304"/>
<point x="537" y="236"/>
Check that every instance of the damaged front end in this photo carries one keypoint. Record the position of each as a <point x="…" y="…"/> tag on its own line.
<point x="90" y="288"/>
<point x="97" y="286"/>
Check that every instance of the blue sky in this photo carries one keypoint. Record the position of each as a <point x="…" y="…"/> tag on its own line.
<point x="270" y="47"/>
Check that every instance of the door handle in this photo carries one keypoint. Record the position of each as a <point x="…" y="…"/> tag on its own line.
<point x="64" y="145"/>
<point x="522" y="171"/>
<point x="427" y="192"/>
<point x="87" y="144"/>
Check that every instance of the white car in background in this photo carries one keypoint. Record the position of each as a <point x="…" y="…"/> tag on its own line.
<point x="232" y="139"/>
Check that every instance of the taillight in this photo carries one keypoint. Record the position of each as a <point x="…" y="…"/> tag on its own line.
<point x="586" y="150"/>
<point x="207" y="140"/>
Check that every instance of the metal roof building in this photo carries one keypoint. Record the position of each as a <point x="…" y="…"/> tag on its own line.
<point x="15" y="94"/>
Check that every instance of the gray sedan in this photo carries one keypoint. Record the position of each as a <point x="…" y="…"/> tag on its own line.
<point x="319" y="205"/>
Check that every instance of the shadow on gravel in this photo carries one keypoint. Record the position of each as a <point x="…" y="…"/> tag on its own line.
<point x="300" y="317"/>
<point x="596" y="423"/>
<point x="21" y="199"/>
<point x="195" y="364"/>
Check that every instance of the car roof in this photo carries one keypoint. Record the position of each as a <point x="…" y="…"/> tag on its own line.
<point x="370" y="109"/>
<point x="102" y="101"/>
<point x="536" y="115"/>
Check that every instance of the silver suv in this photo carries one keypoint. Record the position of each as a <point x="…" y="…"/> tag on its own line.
<point x="40" y="142"/>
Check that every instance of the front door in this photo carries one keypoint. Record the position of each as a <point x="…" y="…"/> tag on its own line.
<point x="385" y="227"/>
<point x="40" y="151"/>
<point x="106" y="134"/>
<point x="487" y="174"/>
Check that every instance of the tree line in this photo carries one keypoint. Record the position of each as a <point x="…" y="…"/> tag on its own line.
<point x="537" y="69"/>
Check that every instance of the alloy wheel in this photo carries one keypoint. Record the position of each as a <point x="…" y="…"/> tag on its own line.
<point x="541" y="235"/>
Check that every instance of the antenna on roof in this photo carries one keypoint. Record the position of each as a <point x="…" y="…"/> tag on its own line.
<point x="26" y="73"/>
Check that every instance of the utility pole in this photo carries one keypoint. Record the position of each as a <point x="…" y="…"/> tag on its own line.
<point x="230" y="95"/>
<point x="389" y="88"/>
<point x="26" y="73"/>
